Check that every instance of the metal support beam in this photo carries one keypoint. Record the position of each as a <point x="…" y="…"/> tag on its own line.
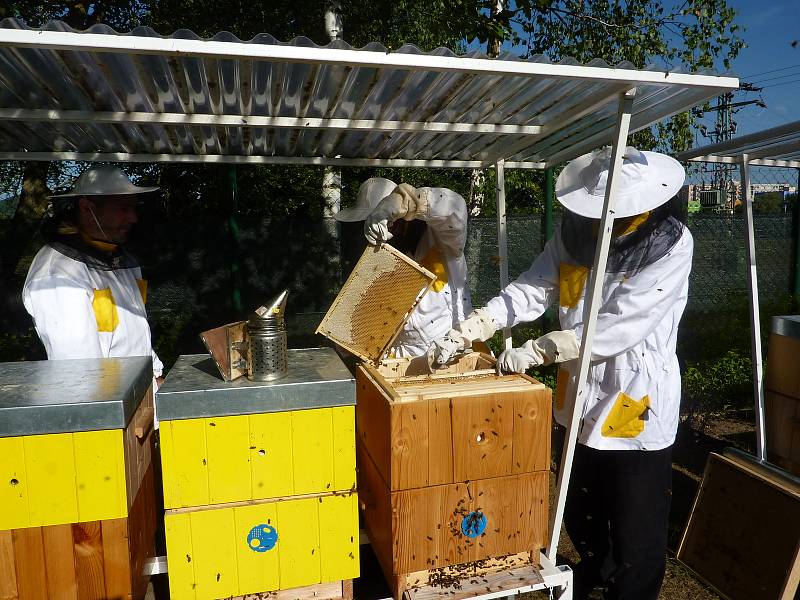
<point x="180" y="48"/>
<point x="755" y="316"/>
<point x="502" y="236"/>
<point x="594" y="294"/>
<point x="796" y="226"/>
<point x="549" y="201"/>
<point x="734" y="146"/>
<point x="261" y="160"/>
<point x="162" y="118"/>
<point x="735" y="160"/>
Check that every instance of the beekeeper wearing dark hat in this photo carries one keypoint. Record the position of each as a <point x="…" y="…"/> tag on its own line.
<point x="84" y="291"/>
<point x="618" y="501"/>
<point x="430" y="225"/>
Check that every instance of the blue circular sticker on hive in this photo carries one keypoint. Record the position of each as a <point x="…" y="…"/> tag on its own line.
<point x="473" y="524"/>
<point x="262" y="538"/>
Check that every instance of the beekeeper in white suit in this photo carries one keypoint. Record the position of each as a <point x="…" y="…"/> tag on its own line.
<point x="430" y="225"/>
<point x="84" y="291"/>
<point x="618" y="502"/>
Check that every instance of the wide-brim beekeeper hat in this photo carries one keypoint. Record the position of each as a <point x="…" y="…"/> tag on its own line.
<point x="646" y="181"/>
<point x="104" y="180"/>
<point x="372" y="191"/>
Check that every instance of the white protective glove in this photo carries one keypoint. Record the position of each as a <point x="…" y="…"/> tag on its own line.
<point x="480" y="325"/>
<point x="553" y="347"/>
<point x="405" y="202"/>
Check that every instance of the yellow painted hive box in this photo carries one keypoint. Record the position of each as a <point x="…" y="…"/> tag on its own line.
<point x="77" y="495"/>
<point x="259" y="478"/>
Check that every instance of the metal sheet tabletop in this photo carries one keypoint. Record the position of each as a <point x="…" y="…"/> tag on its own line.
<point x="317" y="378"/>
<point x="788" y="325"/>
<point x="62" y="396"/>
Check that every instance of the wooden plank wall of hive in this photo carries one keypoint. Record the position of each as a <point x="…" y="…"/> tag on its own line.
<point x="139" y="447"/>
<point x="215" y="552"/>
<point x="216" y="460"/>
<point x="74" y="560"/>
<point x="142" y="523"/>
<point x="480" y="432"/>
<point x="428" y="523"/>
<point x="337" y="590"/>
<point x="373" y="420"/>
<point x="782" y="402"/>
<point x="374" y="495"/>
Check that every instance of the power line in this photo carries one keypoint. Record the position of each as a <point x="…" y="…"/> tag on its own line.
<point x="774" y="85"/>
<point x="771" y="71"/>
<point x="795" y="74"/>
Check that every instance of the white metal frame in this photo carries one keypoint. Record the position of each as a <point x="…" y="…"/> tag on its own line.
<point x="172" y="47"/>
<point x="557" y="578"/>
<point x="595" y="292"/>
<point x="755" y="314"/>
<point x="759" y="149"/>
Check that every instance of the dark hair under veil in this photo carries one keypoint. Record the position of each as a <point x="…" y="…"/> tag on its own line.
<point x="651" y="241"/>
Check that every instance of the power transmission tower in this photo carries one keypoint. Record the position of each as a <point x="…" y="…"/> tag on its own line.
<point x="724" y="128"/>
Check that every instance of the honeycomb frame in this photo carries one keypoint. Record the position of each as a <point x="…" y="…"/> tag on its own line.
<point x="374" y="303"/>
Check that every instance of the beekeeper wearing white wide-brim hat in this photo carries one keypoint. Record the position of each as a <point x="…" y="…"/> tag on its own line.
<point x="84" y="291"/>
<point x="430" y="225"/>
<point x="632" y="395"/>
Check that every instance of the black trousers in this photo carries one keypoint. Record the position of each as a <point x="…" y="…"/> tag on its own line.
<point x="616" y="514"/>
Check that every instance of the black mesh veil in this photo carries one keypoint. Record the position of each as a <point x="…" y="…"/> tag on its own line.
<point x="66" y="240"/>
<point x="628" y="253"/>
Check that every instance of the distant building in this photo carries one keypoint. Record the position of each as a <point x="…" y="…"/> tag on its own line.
<point x="715" y="199"/>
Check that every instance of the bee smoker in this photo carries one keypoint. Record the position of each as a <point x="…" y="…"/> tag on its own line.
<point x="265" y="340"/>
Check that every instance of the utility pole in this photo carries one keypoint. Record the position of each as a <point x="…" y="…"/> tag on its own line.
<point x="724" y="128"/>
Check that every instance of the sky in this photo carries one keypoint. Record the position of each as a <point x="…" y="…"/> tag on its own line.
<point x="770" y="27"/>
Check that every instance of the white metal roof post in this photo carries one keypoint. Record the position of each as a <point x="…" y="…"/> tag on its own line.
<point x="502" y="235"/>
<point x="595" y="291"/>
<point x="775" y="147"/>
<point x="755" y="314"/>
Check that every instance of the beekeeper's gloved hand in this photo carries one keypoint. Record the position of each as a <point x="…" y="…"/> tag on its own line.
<point x="405" y="202"/>
<point x="445" y="348"/>
<point x="480" y="325"/>
<point x="553" y="347"/>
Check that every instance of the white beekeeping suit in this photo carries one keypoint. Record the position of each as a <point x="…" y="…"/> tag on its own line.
<point x="86" y="293"/>
<point x="440" y="249"/>
<point x="633" y="388"/>
<point x="81" y="311"/>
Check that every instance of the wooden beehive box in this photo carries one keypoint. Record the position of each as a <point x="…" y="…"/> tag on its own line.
<point x="453" y="467"/>
<point x="782" y="394"/>
<point x="77" y="493"/>
<point x="259" y="480"/>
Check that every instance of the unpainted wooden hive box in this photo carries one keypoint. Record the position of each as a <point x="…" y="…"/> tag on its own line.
<point x="452" y="467"/>
<point x="782" y="394"/>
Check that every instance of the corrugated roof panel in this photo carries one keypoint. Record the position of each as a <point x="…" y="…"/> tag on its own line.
<point x="779" y="144"/>
<point x="576" y="110"/>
